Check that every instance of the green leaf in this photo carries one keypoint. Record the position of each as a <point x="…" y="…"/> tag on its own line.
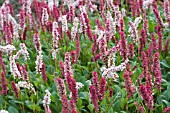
<point x="37" y="108"/>
<point x="167" y="77"/>
<point x="43" y="88"/>
<point x="116" y="88"/>
<point x="79" y="103"/>
<point x="166" y="102"/>
<point x="36" y="83"/>
<point x="116" y="105"/>
<point x="151" y="26"/>
<point x="46" y="60"/>
<point x="168" y="60"/>
<point x="168" y="91"/>
<point x="110" y="110"/>
<point x="50" y="69"/>
<point x="123" y="102"/>
<point x="54" y="96"/>
<point x="27" y="102"/>
<point x="165" y="64"/>
<point x="160" y="99"/>
<point x="2" y="102"/>
<point x="123" y="112"/>
<point x="19" y="102"/>
<point x="12" y="103"/>
<point x="84" y="95"/>
<point x="91" y="106"/>
<point x="123" y="92"/>
<point x="11" y="109"/>
<point x="88" y="82"/>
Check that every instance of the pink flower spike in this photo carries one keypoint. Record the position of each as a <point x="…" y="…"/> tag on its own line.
<point x="60" y="86"/>
<point x="94" y="46"/>
<point x="157" y="71"/>
<point x="74" y="56"/>
<point x="143" y="36"/>
<point x="94" y="97"/>
<point x="166" y="45"/>
<point x="102" y="47"/>
<point x="4" y="83"/>
<point x="74" y="90"/>
<point x="48" y="110"/>
<point x="67" y="65"/>
<point x="130" y="50"/>
<point x="15" y="89"/>
<point x="146" y="96"/>
<point x="62" y="68"/>
<point x="22" y="19"/>
<point x="99" y="24"/>
<point x="65" y="108"/>
<point x="145" y="63"/>
<point x="2" y="65"/>
<point x="37" y="43"/>
<point x="128" y="83"/>
<point x="154" y="44"/>
<point x="158" y="31"/>
<point x="157" y="14"/>
<point x="24" y="33"/>
<point x="62" y="91"/>
<point x="55" y="13"/>
<point x="123" y="48"/>
<point x="25" y="73"/>
<point x="166" y="11"/>
<point x="45" y="17"/>
<point x="121" y="29"/>
<point x="88" y="28"/>
<point x="78" y="47"/>
<point x="145" y="23"/>
<point x="102" y="88"/>
<point x="8" y="35"/>
<point x="44" y="75"/>
<point x="166" y="110"/>
<point x="71" y="13"/>
<point x="74" y="110"/>
<point x="95" y="79"/>
<point x="141" y="109"/>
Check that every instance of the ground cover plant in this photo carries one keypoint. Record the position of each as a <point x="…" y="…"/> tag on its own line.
<point x="85" y="56"/>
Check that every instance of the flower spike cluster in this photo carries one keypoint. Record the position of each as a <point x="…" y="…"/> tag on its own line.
<point x="97" y="90"/>
<point x="94" y="43"/>
<point x="62" y="91"/>
<point x="128" y="83"/>
<point x="157" y="71"/>
<point x="46" y="102"/>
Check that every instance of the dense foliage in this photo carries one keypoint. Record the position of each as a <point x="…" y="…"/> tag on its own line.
<point x="85" y="56"/>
